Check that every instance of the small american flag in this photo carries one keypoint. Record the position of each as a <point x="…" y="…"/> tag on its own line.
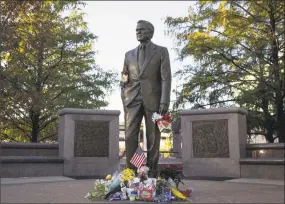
<point x="138" y="158"/>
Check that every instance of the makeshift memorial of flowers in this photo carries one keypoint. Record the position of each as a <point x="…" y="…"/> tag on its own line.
<point x="131" y="185"/>
<point x="163" y="122"/>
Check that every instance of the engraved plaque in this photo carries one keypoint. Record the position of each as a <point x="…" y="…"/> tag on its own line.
<point x="210" y="139"/>
<point x="91" y="139"/>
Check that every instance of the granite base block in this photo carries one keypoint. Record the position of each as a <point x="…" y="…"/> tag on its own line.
<point x="259" y="171"/>
<point x="211" y="167"/>
<point x="89" y="167"/>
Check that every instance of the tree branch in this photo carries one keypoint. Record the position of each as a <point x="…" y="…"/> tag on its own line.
<point x="249" y="13"/>
<point x="46" y="123"/>
<point x="217" y="102"/>
<point x="256" y="3"/>
<point x="15" y="123"/>
<point x="56" y="64"/>
<point x="5" y="21"/>
<point x="47" y="137"/>
<point x="7" y="136"/>
<point x="239" y="66"/>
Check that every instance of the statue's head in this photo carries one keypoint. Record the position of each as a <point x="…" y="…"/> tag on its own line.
<point x="144" y="30"/>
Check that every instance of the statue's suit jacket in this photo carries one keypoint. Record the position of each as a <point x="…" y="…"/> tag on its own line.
<point x="153" y="80"/>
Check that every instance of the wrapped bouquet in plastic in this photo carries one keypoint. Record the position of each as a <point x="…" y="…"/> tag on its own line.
<point x="163" y="122"/>
<point x="124" y="177"/>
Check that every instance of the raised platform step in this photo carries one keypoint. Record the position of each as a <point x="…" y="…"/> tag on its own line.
<point x="267" y="161"/>
<point x="175" y="163"/>
<point x="262" y="168"/>
<point x="31" y="166"/>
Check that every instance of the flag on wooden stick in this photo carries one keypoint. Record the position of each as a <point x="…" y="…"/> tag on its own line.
<point x="138" y="158"/>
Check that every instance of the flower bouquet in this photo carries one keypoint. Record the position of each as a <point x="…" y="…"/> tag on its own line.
<point x="99" y="190"/>
<point x="120" y="179"/>
<point x="163" y="192"/>
<point x="124" y="77"/>
<point x="163" y="122"/>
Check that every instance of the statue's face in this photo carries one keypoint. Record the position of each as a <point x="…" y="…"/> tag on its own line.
<point x="143" y="32"/>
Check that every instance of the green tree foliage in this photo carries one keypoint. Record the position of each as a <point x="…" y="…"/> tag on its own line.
<point x="7" y="27"/>
<point x="238" y="50"/>
<point x="47" y="63"/>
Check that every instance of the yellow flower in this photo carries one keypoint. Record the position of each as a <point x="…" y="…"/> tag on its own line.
<point x="127" y="174"/>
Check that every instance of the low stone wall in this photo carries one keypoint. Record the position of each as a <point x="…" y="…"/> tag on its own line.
<point x="262" y="168"/>
<point x="268" y="150"/>
<point x="31" y="166"/>
<point x="264" y="161"/>
<point x="28" y="149"/>
<point x="29" y="160"/>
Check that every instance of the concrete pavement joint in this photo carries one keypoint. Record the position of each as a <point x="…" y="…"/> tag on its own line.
<point x="26" y="180"/>
<point x="257" y="181"/>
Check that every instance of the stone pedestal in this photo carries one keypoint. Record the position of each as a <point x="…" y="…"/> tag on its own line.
<point x="213" y="141"/>
<point x="177" y="139"/>
<point x="89" y="141"/>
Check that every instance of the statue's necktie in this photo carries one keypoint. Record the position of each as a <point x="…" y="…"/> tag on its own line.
<point x="141" y="55"/>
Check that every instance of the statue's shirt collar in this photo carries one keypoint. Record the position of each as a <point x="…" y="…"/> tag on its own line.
<point x="145" y="44"/>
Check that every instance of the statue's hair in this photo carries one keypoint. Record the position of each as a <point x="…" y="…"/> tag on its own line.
<point x="148" y="24"/>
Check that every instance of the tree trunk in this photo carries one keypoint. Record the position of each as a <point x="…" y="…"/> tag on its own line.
<point x="281" y="132"/>
<point x="270" y="131"/>
<point x="281" y="136"/>
<point x="270" y="138"/>
<point x="35" y="117"/>
<point x="38" y="97"/>
<point x="277" y="75"/>
<point x="268" y="121"/>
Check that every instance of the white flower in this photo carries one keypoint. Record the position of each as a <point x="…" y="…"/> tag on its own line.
<point x="156" y="116"/>
<point x="87" y="195"/>
<point x="124" y="78"/>
<point x="143" y="169"/>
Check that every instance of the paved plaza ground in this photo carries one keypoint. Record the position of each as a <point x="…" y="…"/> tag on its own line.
<point x="65" y="190"/>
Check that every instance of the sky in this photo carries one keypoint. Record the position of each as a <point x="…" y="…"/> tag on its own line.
<point x="114" y="23"/>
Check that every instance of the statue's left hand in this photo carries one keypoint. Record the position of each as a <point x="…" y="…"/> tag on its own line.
<point x="163" y="108"/>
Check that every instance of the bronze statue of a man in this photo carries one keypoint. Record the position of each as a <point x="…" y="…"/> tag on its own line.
<point x="146" y="91"/>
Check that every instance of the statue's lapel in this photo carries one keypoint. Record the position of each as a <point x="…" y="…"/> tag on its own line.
<point x="150" y="51"/>
<point x="136" y="59"/>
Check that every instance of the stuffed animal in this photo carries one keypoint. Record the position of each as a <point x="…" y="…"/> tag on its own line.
<point x="143" y="173"/>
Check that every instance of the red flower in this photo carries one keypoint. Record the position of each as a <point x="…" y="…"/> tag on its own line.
<point x="167" y="118"/>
